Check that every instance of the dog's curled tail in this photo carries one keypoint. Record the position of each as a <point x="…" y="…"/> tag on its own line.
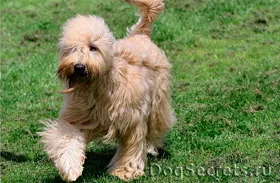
<point x="149" y="11"/>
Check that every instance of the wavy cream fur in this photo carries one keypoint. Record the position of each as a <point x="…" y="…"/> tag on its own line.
<point x="126" y="96"/>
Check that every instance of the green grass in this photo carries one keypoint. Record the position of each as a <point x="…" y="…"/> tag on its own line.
<point x="226" y="87"/>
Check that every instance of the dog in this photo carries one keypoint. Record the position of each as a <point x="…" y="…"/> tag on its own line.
<point x="116" y="90"/>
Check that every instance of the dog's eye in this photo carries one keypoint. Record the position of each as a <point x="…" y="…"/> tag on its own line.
<point x="93" y="48"/>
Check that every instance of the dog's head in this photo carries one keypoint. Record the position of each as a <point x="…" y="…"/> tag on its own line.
<point x="86" y="50"/>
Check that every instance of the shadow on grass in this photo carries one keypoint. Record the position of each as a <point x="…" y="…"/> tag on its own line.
<point x="96" y="162"/>
<point x="94" y="167"/>
<point x="10" y="156"/>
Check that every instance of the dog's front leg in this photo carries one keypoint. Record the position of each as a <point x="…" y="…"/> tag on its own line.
<point x="66" y="146"/>
<point x="130" y="158"/>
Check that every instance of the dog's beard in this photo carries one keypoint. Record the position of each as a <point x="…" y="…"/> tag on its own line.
<point x="71" y="79"/>
<point x="76" y="80"/>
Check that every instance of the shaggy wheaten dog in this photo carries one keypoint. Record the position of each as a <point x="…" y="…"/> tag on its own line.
<point x="115" y="89"/>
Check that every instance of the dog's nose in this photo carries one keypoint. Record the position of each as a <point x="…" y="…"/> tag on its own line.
<point x="79" y="68"/>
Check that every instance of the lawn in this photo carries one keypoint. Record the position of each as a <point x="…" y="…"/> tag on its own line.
<point x="226" y="89"/>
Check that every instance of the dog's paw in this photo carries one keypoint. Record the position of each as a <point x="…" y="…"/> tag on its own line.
<point x="127" y="175"/>
<point x="129" y="172"/>
<point x="71" y="174"/>
<point x="70" y="166"/>
<point x="152" y="150"/>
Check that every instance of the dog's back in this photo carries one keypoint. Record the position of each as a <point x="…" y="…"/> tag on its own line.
<point x="137" y="48"/>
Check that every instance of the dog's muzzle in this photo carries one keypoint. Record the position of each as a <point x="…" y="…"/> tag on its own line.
<point x="80" y="70"/>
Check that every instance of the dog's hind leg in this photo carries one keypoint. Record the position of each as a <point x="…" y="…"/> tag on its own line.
<point x="159" y="127"/>
<point x="149" y="11"/>
<point x="161" y="120"/>
<point x="65" y="146"/>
